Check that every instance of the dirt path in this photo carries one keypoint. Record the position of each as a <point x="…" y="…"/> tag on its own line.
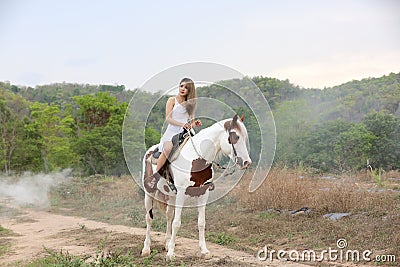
<point x="79" y="236"/>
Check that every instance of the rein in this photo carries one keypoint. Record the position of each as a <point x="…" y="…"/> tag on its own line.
<point x="233" y="147"/>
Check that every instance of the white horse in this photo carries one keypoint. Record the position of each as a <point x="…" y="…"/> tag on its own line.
<point x="192" y="173"/>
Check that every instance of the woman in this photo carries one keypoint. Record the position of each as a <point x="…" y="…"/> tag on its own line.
<point x="178" y="111"/>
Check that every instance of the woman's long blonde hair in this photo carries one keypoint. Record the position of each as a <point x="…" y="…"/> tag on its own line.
<point x="190" y="101"/>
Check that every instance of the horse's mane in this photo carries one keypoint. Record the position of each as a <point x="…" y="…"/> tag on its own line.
<point x="221" y="124"/>
<point x="211" y="127"/>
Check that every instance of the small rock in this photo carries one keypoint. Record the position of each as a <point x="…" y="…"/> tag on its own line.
<point x="336" y="216"/>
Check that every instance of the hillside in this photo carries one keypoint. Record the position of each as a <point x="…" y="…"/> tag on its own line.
<point x="334" y="129"/>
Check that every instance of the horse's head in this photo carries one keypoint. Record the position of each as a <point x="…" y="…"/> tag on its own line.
<point x="233" y="142"/>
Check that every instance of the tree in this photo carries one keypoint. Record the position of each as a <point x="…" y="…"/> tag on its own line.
<point x="54" y="136"/>
<point x="8" y="130"/>
<point x="152" y="137"/>
<point x="13" y="111"/>
<point x="317" y="148"/>
<point x="96" y="111"/>
<point x="385" y="151"/>
<point x="98" y="143"/>
<point x="353" y="148"/>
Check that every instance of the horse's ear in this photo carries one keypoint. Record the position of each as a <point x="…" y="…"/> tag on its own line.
<point x="234" y="121"/>
<point x="242" y="118"/>
<point x="235" y="118"/>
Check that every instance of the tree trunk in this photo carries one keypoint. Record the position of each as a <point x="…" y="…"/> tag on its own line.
<point x="45" y="165"/>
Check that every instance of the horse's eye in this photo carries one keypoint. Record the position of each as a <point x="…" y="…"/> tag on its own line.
<point x="237" y="138"/>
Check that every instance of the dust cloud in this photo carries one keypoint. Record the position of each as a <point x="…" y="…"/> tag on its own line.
<point x="31" y="189"/>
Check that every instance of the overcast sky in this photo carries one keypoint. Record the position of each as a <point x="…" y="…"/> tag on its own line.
<point x="311" y="43"/>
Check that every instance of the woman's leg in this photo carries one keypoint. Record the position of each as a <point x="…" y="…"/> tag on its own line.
<point x="151" y="181"/>
<point x="167" y="147"/>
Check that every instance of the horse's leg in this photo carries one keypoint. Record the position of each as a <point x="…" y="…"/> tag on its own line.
<point x="148" y="203"/>
<point x="170" y="215"/>
<point x="201" y="223"/>
<point x="180" y="200"/>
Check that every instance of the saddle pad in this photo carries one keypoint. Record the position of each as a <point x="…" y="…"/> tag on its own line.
<point x="176" y="150"/>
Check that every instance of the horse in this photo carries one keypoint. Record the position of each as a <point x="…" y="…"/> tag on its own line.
<point x="192" y="173"/>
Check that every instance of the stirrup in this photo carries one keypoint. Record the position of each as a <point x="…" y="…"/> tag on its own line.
<point x="172" y="186"/>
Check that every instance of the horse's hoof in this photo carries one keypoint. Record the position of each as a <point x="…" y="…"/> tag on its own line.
<point x="145" y="252"/>
<point x="170" y="257"/>
<point x="207" y="255"/>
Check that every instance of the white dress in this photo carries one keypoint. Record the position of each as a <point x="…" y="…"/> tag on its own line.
<point x="179" y="114"/>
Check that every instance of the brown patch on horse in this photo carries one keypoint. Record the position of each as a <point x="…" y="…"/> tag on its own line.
<point x="148" y="171"/>
<point x="233" y="124"/>
<point x="149" y="154"/>
<point x="150" y="182"/>
<point x="195" y="191"/>
<point x="150" y="179"/>
<point x="200" y="173"/>
<point x="227" y="125"/>
<point x="233" y="138"/>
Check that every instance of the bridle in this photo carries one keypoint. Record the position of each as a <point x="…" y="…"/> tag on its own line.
<point x="235" y="157"/>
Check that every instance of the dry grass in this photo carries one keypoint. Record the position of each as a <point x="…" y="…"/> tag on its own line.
<point x="242" y="220"/>
<point x="289" y="190"/>
<point x="373" y="224"/>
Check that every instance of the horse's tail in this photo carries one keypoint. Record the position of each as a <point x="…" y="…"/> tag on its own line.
<point x="161" y="200"/>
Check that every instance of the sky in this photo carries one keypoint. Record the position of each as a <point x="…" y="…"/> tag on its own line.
<point x="312" y="43"/>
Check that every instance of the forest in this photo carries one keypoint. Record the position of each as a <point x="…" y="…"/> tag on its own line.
<point x="331" y="130"/>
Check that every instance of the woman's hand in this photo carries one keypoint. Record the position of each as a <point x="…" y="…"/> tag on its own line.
<point x="194" y="124"/>
<point x="187" y="126"/>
